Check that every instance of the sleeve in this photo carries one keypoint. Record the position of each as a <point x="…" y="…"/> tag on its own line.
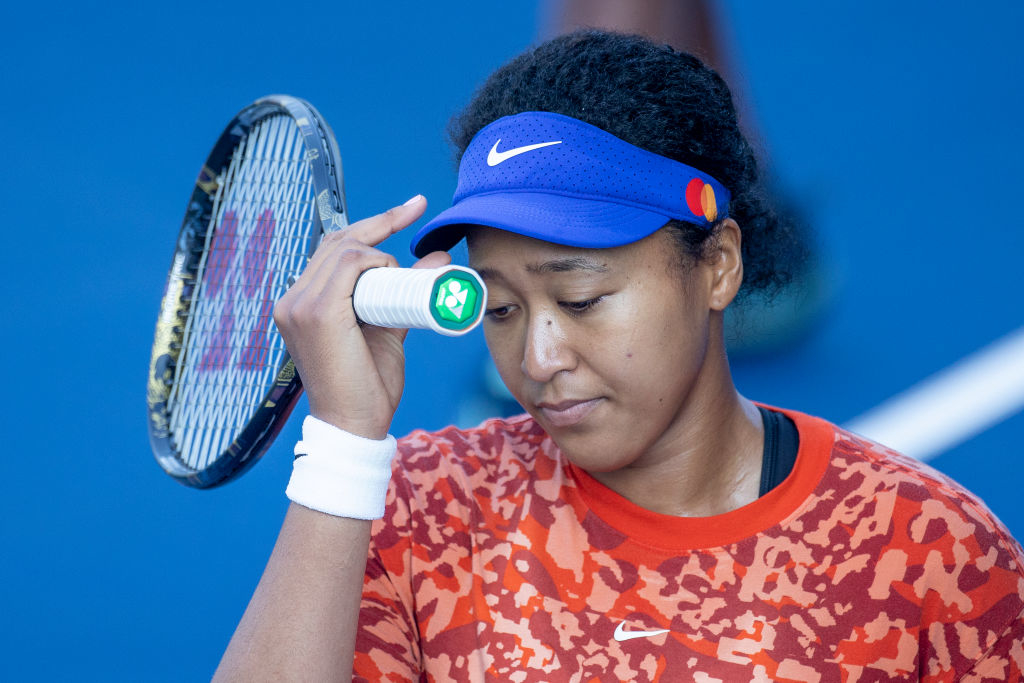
<point x="1004" y="661"/>
<point x="967" y="571"/>
<point x="387" y="642"/>
<point x="976" y="627"/>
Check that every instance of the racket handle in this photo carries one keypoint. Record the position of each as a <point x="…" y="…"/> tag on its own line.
<point x="448" y="300"/>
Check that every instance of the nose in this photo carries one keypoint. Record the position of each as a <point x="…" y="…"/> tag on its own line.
<point x="547" y="350"/>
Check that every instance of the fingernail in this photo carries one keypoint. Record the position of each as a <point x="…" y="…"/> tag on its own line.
<point x="413" y="200"/>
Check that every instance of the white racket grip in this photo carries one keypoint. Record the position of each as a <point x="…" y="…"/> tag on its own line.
<point x="448" y="300"/>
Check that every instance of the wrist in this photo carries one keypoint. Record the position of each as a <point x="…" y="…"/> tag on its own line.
<point x="365" y="427"/>
<point x="340" y="473"/>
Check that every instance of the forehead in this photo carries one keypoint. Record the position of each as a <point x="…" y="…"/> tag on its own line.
<point x="494" y="251"/>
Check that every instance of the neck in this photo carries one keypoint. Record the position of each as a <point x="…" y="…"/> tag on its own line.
<point x="709" y="460"/>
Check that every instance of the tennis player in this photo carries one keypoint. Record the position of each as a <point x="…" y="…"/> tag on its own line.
<point x="643" y="520"/>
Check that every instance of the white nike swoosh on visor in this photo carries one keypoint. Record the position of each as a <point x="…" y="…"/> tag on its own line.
<point x="622" y="634"/>
<point x="494" y="157"/>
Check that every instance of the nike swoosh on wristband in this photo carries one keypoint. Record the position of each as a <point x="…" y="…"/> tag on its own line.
<point x="621" y="634"/>
<point x="494" y="157"/>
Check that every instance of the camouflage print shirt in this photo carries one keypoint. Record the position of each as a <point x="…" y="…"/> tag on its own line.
<point x="499" y="560"/>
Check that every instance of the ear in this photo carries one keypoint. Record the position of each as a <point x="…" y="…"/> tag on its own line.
<point x="726" y="263"/>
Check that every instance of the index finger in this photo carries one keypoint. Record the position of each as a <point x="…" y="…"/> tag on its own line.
<point x="375" y="229"/>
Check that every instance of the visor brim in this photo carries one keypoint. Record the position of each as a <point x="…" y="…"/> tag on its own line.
<point x="569" y="221"/>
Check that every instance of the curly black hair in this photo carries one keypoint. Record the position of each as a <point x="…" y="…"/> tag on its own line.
<point x="662" y="100"/>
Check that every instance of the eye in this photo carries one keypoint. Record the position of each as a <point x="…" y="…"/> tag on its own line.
<point x="577" y="308"/>
<point x="498" y="313"/>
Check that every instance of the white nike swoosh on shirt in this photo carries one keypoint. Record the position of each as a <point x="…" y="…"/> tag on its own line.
<point x="494" y="157"/>
<point x="622" y="634"/>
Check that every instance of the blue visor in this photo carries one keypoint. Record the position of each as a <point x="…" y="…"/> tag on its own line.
<point x="561" y="180"/>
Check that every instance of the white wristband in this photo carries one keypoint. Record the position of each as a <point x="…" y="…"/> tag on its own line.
<point x="340" y="473"/>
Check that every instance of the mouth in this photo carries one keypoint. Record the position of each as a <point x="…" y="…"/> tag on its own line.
<point x="567" y="413"/>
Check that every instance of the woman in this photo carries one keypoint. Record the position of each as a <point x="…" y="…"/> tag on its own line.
<point x="643" y="520"/>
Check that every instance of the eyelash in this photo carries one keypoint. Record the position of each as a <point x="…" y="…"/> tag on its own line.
<point x="574" y="309"/>
<point x="578" y="308"/>
<point x="492" y="313"/>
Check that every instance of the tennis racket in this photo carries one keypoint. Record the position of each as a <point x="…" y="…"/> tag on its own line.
<point x="221" y="383"/>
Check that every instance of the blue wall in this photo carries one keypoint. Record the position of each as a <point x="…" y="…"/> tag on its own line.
<point x="897" y="132"/>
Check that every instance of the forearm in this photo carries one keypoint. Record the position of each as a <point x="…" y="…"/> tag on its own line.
<point x="301" y="621"/>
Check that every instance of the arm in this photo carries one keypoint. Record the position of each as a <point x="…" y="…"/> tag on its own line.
<point x="301" y="621"/>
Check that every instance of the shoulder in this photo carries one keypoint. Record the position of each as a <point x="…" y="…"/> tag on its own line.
<point x="517" y="436"/>
<point x="927" y="535"/>
<point x="930" y="502"/>
<point x="856" y="469"/>
<point x="519" y="427"/>
<point x="494" y="455"/>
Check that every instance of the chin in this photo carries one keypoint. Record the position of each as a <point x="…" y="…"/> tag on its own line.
<point x="590" y="452"/>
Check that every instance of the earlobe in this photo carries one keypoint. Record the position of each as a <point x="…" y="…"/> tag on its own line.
<point x="727" y="264"/>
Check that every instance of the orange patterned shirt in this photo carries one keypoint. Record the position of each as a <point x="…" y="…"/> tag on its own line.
<point x="499" y="560"/>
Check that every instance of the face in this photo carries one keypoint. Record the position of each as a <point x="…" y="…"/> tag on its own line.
<point x="605" y="348"/>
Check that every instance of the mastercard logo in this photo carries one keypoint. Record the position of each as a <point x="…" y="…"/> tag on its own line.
<point x="700" y="198"/>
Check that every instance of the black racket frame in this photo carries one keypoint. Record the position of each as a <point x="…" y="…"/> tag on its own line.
<point x="279" y="401"/>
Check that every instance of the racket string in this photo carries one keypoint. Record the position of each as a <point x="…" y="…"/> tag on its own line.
<point x="258" y="236"/>
<point x="211" y="431"/>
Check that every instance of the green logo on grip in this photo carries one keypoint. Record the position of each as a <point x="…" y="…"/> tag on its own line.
<point x="456" y="300"/>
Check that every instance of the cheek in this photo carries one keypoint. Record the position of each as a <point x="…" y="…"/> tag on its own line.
<point x="506" y="354"/>
<point x="656" y="363"/>
<point x="624" y="358"/>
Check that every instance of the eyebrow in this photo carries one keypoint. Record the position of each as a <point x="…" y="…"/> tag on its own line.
<point x="562" y="265"/>
<point x="565" y="265"/>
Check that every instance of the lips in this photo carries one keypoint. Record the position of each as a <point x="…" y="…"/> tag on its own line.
<point x="567" y="413"/>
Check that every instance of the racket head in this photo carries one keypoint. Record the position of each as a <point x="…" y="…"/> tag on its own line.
<point x="221" y="384"/>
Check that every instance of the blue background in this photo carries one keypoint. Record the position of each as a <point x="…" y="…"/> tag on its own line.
<point x="895" y="126"/>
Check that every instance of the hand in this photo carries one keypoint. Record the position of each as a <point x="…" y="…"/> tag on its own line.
<point x="353" y="374"/>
